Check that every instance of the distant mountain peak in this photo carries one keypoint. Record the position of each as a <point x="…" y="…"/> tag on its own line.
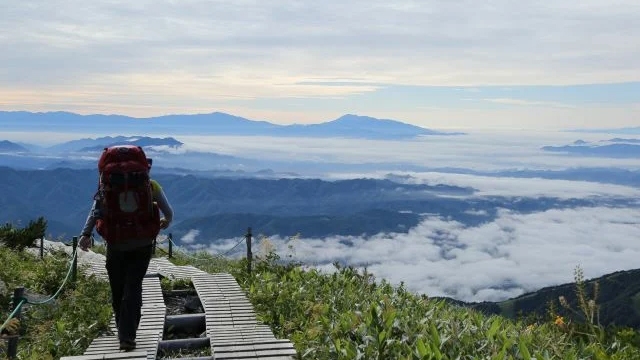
<point x="363" y="119"/>
<point x="355" y="117"/>
<point x="371" y="127"/>
<point x="8" y="146"/>
<point x="143" y="141"/>
<point x="97" y="144"/>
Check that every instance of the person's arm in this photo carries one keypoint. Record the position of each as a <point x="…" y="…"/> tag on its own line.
<point x="91" y="221"/>
<point x="165" y="207"/>
<point x="85" y="234"/>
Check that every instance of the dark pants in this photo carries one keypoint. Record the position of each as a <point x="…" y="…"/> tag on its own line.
<point x="126" y="271"/>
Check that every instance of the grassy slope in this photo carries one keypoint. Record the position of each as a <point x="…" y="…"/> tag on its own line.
<point x="348" y="315"/>
<point x="344" y="315"/>
<point x="64" y="327"/>
<point x="616" y="294"/>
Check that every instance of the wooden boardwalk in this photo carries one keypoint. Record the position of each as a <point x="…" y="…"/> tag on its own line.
<point x="231" y="324"/>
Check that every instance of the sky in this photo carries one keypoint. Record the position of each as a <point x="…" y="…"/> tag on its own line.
<point x="438" y="64"/>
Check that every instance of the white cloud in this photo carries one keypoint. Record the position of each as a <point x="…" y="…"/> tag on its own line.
<point x="190" y="236"/>
<point x="526" y="187"/>
<point x="520" y="102"/>
<point x="174" y="150"/>
<point x="504" y="258"/>
<point x="197" y="54"/>
<point x="485" y="151"/>
<point x="480" y="150"/>
<point x="234" y="247"/>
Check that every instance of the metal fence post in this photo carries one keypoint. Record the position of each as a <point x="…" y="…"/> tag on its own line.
<point x="170" y="246"/>
<point x="41" y="247"/>
<point x="155" y="244"/>
<point x="249" y="254"/>
<point x="12" y="346"/>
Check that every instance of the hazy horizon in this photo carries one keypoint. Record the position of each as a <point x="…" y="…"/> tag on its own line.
<point x="462" y="65"/>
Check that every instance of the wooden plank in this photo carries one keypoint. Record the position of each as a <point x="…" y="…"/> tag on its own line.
<point x="274" y="346"/>
<point x="215" y="304"/>
<point x="145" y="341"/>
<point x="260" y="342"/>
<point x="239" y="311"/>
<point x="235" y="355"/>
<point x="230" y="318"/>
<point x="227" y="317"/>
<point x="236" y="341"/>
<point x="275" y="352"/>
<point x="234" y="333"/>
<point x="131" y="355"/>
<point x="242" y="312"/>
<point x="259" y="345"/>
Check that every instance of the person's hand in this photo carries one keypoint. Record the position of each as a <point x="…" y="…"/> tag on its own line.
<point x="164" y="223"/>
<point x="85" y="242"/>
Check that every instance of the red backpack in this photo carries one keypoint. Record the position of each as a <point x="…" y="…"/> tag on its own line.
<point x="125" y="197"/>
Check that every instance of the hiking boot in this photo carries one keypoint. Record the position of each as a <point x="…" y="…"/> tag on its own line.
<point x="127" y="345"/>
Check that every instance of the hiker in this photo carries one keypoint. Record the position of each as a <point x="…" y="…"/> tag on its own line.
<point x="126" y="214"/>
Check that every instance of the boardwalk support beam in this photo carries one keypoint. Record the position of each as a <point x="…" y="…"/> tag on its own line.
<point x="190" y="323"/>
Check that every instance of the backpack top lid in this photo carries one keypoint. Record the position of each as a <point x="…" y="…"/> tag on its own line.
<point x="123" y="154"/>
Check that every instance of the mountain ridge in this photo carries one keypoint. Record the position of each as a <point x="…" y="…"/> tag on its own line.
<point x="215" y="123"/>
<point x="12" y="147"/>
<point x="618" y="296"/>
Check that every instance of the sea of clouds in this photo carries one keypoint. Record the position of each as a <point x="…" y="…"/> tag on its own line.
<point x="505" y="257"/>
<point x="513" y="254"/>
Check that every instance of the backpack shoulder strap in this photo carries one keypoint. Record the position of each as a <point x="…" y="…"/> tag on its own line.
<point x="155" y="188"/>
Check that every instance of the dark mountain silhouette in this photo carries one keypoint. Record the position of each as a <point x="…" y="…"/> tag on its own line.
<point x="64" y="196"/>
<point x="362" y="223"/>
<point x="312" y="206"/>
<point x="97" y="144"/>
<point x="11" y="147"/>
<point x="138" y="141"/>
<point x="618" y="299"/>
<point x="216" y="123"/>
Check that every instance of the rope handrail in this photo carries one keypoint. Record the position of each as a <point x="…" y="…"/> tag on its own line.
<point x="219" y="255"/>
<point x="53" y="297"/>
<point x="57" y="293"/>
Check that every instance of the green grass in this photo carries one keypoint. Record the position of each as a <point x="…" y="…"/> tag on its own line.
<point x="350" y="315"/>
<point x="346" y="314"/>
<point x="67" y="325"/>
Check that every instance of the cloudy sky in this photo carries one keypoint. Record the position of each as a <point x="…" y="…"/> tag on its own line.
<point x="439" y="64"/>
